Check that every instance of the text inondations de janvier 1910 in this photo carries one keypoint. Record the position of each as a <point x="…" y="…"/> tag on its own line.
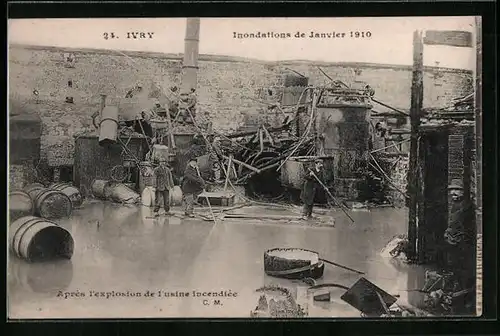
<point x="207" y="298"/>
<point x="303" y="35"/>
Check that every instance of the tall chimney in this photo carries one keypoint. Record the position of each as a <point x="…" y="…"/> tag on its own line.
<point x="191" y="46"/>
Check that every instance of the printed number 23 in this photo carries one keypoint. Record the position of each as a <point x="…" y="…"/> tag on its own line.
<point x="109" y="36"/>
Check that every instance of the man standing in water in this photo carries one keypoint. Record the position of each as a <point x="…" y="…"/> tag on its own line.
<point x="310" y="187"/>
<point x="163" y="183"/>
<point x="192" y="186"/>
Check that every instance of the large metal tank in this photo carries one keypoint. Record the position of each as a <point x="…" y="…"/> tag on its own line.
<point x="342" y="125"/>
<point x="24" y="138"/>
<point x="93" y="161"/>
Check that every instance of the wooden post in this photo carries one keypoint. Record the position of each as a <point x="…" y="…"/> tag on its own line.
<point x="229" y="171"/>
<point x="415" y="110"/>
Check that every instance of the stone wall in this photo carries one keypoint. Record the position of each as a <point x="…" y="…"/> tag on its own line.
<point x="227" y="87"/>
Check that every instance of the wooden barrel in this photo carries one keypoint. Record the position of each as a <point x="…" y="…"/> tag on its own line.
<point x="146" y="177"/>
<point x="99" y="187"/>
<point x="108" y="126"/>
<point x="293" y="263"/>
<point x="52" y="204"/>
<point x="20" y="205"/>
<point x="122" y="194"/>
<point x="72" y="192"/>
<point x="33" y="190"/>
<point x="36" y="239"/>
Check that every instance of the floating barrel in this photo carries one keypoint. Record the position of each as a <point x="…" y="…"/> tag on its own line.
<point x="108" y="126"/>
<point x="72" y="192"/>
<point x="119" y="192"/>
<point x="36" y="239"/>
<point x="20" y="205"/>
<point x="293" y="263"/>
<point x="145" y="175"/>
<point x="34" y="189"/>
<point x="100" y="188"/>
<point x="52" y="204"/>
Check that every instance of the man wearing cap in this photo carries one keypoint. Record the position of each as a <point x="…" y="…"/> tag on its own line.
<point x="456" y="235"/>
<point x="163" y="183"/>
<point x="310" y="187"/>
<point x="192" y="186"/>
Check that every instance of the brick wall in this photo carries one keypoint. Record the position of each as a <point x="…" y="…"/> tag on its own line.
<point x="225" y="90"/>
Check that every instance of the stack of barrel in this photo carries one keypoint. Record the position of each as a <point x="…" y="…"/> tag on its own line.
<point x="32" y="233"/>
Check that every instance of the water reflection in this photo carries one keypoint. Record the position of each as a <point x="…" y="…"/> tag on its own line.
<point x="45" y="277"/>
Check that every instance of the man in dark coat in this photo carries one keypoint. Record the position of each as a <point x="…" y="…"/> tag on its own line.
<point x="310" y="188"/>
<point x="192" y="186"/>
<point x="163" y="183"/>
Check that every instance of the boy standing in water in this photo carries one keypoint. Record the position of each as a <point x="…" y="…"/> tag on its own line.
<point x="163" y="183"/>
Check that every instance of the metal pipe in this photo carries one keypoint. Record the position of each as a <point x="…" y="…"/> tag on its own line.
<point x="191" y="49"/>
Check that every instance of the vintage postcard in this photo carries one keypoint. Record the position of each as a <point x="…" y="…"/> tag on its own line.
<point x="244" y="167"/>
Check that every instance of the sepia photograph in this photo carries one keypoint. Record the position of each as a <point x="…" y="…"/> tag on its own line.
<point x="244" y="168"/>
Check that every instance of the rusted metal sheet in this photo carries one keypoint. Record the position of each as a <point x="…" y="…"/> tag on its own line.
<point x="93" y="161"/>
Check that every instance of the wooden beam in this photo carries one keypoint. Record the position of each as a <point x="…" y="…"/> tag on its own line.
<point x="415" y="110"/>
<point x="450" y="38"/>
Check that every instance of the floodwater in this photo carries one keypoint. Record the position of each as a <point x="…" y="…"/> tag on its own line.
<point x="136" y="261"/>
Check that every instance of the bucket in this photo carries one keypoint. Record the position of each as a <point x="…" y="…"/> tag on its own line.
<point x="120" y="193"/>
<point x="108" y="126"/>
<point x="36" y="239"/>
<point x="148" y="197"/>
<point x="176" y="196"/>
<point x="52" y="204"/>
<point x="145" y="175"/>
<point x="20" y="205"/>
<point x="33" y="190"/>
<point x="98" y="188"/>
<point x="72" y="192"/>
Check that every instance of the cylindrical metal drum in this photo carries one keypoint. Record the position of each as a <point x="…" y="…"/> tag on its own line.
<point x="52" y="204"/>
<point x="72" y="192"/>
<point x="20" y="205"/>
<point x="108" y="126"/>
<point x="34" y="239"/>
<point x="120" y="193"/>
